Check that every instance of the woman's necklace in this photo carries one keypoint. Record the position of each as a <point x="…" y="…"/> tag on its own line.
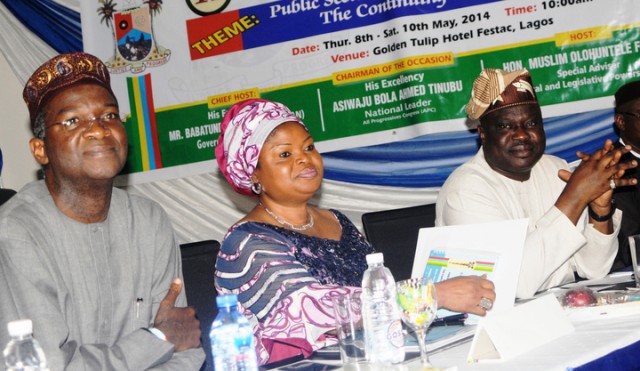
<point x="303" y="227"/>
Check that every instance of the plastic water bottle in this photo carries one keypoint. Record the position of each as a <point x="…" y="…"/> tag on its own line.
<point x="23" y="352"/>
<point x="384" y="341"/>
<point x="231" y="335"/>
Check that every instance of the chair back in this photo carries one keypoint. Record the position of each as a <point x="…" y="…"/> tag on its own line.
<point x="198" y="268"/>
<point x="6" y="194"/>
<point x="395" y="234"/>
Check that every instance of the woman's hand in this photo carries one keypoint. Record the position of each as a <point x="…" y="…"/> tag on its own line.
<point x="463" y="294"/>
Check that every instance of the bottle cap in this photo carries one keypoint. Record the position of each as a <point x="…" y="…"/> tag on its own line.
<point x="20" y="327"/>
<point x="375" y="258"/>
<point x="228" y="300"/>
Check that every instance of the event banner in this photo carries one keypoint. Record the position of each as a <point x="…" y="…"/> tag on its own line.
<point x="358" y="72"/>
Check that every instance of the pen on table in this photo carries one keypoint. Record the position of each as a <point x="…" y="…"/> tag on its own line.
<point x="138" y="302"/>
<point x="456" y="319"/>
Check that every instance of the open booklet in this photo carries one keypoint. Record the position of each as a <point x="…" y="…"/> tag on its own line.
<point x="492" y="249"/>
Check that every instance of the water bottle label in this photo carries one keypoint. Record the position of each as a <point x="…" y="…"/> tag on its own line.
<point x="243" y="341"/>
<point x="394" y="334"/>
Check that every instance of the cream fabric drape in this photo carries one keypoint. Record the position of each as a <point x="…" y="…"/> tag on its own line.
<point x="204" y="206"/>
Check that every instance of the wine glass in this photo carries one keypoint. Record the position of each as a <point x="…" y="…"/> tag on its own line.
<point x="418" y="303"/>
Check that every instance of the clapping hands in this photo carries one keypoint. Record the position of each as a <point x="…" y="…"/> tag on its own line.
<point x="593" y="181"/>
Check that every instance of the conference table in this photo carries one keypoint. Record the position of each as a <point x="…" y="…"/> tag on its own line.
<point x="592" y="340"/>
<point x="608" y="342"/>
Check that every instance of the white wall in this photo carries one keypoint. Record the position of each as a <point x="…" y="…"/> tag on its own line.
<point x="19" y="167"/>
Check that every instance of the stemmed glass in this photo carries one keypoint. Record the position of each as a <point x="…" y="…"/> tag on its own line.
<point x="418" y="303"/>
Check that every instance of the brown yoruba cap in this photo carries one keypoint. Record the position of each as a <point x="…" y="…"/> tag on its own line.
<point x="495" y="89"/>
<point x="628" y="92"/>
<point x="60" y="72"/>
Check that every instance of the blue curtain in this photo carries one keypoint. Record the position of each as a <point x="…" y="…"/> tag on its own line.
<point x="57" y="25"/>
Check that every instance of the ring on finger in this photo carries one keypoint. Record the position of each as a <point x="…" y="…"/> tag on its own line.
<point x="612" y="183"/>
<point x="485" y="303"/>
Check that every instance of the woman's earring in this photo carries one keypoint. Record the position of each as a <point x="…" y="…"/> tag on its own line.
<point x="256" y="188"/>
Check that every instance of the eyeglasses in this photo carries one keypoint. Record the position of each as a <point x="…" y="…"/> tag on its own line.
<point x="634" y="115"/>
<point x="108" y="120"/>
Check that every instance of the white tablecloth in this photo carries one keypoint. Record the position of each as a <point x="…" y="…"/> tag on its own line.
<point x="591" y="340"/>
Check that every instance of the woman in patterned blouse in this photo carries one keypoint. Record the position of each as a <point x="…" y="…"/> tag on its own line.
<point x="286" y="258"/>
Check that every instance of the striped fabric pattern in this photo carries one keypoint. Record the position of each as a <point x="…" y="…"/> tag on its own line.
<point x="260" y="268"/>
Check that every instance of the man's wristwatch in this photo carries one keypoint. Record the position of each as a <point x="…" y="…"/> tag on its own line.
<point x="159" y="334"/>
<point x="603" y="218"/>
